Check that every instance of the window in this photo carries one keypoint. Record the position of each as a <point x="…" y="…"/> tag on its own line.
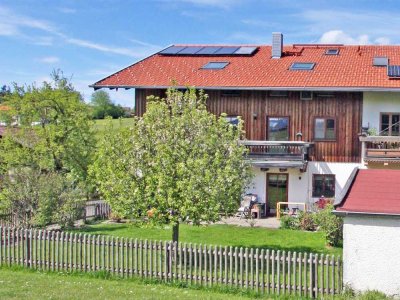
<point x="302" y="66"/>
<point x="390" y="124"/>
<point x="278" y="128"/>
<point x="325" y="129"/>
<point x="215" y="65"/>
<point x="323" y="185"/>
<point x="332" y="52"/>
<point x="278" y="93"/>
<point x="233" y="120"/>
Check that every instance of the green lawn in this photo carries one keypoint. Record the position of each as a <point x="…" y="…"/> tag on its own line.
<point x="229" y="235"/>
<point x="26" y="284"/>
<point x="101" y="126"/>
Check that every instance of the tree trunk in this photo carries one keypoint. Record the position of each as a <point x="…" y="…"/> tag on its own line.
<point x="175" y="232"/>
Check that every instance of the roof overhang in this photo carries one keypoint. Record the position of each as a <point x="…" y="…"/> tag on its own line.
<point x="345" y="213"/>
<point x="254" y="88"/>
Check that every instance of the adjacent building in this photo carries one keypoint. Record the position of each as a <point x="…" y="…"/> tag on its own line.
<point x="312" y="113"/>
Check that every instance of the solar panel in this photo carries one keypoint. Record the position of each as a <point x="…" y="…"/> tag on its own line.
<point x="208" y="50"/>
<point x="190" y="50"/>
<point x="393" y="71"/>
<point x="172" y="50"/>
<point x="245" y="50"/>
<point x="215" y="65"/>
<point x="226" y="50"/>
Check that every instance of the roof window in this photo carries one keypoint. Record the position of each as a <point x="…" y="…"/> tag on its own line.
<point x="215" y="65"/>
<point x="380" y="61"/>
<point x="302" y="66"/>
<point x="332" y="52"/>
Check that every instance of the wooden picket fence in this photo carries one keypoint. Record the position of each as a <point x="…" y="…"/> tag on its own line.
<point x="261" y="270"/>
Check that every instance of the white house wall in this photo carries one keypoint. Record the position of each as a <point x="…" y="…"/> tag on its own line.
<point x="300" y="184"/>
<point x="371" y="253"/>
<point x="375" y="103"/>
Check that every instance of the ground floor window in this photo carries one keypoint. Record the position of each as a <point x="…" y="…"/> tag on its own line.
<point x="390" y="124"/>
<point x="323" y="185"/>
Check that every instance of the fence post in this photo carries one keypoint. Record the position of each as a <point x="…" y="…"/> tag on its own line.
<point x="28" y="248"/>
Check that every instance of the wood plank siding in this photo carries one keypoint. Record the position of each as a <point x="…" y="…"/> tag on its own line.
<point x="255" y="106"/>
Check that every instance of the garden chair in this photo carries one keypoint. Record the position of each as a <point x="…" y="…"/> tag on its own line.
<point x="246" y="204"/>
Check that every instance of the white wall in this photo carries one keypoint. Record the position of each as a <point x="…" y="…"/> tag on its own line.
<point x="342" y="172"/>
<point x="376" y="102"/>
<point x="300" y="184"/>
<point x="371" y="253"/>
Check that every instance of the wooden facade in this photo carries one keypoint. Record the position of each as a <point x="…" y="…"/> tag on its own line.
<point x="255" y="106"/>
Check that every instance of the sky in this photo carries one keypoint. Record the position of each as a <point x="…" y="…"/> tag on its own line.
<point x="91" y="39"/>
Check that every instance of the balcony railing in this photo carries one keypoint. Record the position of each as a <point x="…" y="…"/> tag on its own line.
<point x="380" y="148"/>
<point x="278" y="153"/>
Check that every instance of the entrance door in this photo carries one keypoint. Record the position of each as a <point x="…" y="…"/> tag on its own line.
<point x="277" y="190"/>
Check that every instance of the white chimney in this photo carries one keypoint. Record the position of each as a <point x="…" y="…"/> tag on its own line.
<point x="277" y="44"/>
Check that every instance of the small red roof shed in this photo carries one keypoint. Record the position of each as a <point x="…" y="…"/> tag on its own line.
<point x="373" y="192"/>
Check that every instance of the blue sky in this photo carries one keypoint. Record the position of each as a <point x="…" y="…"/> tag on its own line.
<point x="89" y="40"/>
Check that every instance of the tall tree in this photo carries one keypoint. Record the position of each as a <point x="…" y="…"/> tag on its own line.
<point x="178" y="163"/>
<point x="103" y="106"/>
<point x="49" y="135"/>
<point x="4" y="91"/>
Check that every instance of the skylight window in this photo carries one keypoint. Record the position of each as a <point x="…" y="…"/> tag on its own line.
<point x="302" y="66"/>
<point x="215" y="65"/>
<point x="332" y="52"/>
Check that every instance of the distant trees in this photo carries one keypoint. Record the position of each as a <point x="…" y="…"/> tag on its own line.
<point x="104" y="107"/>
<point x="46" y="153"/>
<point x="4" y="91"/>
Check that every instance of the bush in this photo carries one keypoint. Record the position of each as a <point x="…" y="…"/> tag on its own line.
<point x="289" y="222"/>
<point x="331" y="225"/>
<point x="307" y="221"/>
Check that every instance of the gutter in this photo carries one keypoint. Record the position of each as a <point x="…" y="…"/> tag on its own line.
<point x="247" y="88"/>
<point x="364" y="214"/>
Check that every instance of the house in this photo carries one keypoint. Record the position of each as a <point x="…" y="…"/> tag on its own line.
<point x="371" y="242"/>
<point x="307" y="108"/>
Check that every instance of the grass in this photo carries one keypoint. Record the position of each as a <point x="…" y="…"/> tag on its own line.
<point x="18" y="283"/>
<point x="225" y="235"/>
<point x="101" y="126"/>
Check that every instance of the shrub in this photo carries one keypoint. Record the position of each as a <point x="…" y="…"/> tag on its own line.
<point x="306" y="221"/>
<point x="331" y="225"/>
<point x="289" y="222"/>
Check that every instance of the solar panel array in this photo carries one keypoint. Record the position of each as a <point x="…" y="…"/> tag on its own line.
<point x="393" y="71"/>
<point x="209" y="50"/>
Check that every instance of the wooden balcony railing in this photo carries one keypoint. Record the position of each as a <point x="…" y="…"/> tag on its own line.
<point x="380" y="148"/>
<point x="278" y="150"/>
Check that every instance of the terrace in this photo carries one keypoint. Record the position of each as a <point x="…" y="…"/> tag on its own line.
<point x="278" y="154"/>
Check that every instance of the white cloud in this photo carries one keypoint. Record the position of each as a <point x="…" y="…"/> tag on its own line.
<point x="12" y="24"/>
<point x="49" y="60"/>
<point x="340" y="37"/>
<point x="356" y="26"/>
<point x="382" y="41"/>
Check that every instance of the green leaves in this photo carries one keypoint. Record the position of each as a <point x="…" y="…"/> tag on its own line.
<point x="178" y="161"/>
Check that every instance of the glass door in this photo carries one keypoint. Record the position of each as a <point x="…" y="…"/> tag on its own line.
<point x="277" y="190"/>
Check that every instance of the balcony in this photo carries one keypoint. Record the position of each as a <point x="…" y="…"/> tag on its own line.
<point x="278" y="154"/>
<point x="380" y="149"/>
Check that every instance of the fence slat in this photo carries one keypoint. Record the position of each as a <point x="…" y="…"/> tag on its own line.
<point x="265" y="271"/>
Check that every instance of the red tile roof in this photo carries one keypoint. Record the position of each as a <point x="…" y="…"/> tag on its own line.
<point x="351" y="69"/>
<point x="373" y="191"/>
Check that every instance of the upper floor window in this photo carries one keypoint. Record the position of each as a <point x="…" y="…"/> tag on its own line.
<point x="233" y="120"/>
<point x="323" y="185"/>
<point x="390" y="124"/>
<point x="278" y="128"/>
<point x="325" y="129"/>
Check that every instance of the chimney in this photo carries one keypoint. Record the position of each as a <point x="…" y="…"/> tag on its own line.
<point x="277" y="44"/>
